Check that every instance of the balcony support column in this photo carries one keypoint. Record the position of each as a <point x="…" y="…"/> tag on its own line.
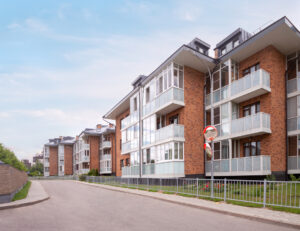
<point x="230" y="153"/>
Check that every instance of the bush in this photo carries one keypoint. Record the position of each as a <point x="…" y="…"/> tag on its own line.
<point x="82" y="177"/>
<point x="8" y="157"/>
<point x="35" y="173"/>
<point x="293" y="178"/>
<point x="271" y="178"/>
<point x="93" y="172"/>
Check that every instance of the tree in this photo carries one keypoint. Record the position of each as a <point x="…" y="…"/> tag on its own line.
<point x="8" y="157"/>
<point x="37" y="169"/>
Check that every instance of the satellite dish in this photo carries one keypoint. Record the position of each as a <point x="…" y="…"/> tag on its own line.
<point x="210" y="133"/>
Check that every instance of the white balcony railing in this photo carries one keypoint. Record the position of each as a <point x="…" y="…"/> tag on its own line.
<point x="170" y="131"/>
<point x="293" y="85"/>
<point x="259" y="78"/>
<point x="106" y="144"/>
<point x="105" y="157"/>
<point x="249" y="125"/>
<point x="84" y="158"/>
<point x="156" y="170"/>
<point x="129" y="146"/>
<point x="293" y="124"/>
<point x="293" y="164"/>
<point x="132" y="118"/>
<point x="46" y="164"/>
<point x="249" y="86"/>
<point x="253" y="165"/>
<point x="172" y="95"/>
<point x="84" y="171"/>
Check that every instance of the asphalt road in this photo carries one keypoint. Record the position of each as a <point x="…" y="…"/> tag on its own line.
<point x="74" y="206"/>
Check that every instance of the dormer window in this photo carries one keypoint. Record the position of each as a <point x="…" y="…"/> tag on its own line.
<point x="236" y="43"/>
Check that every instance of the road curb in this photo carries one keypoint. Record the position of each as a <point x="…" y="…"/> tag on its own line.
<point x="236" y="214"/>
<point x="27" y="201"/>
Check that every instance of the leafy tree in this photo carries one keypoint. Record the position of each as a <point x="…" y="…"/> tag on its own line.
<point x="93" y="172"/>
<point x="8" y="157"/>
<point x="37" y="169"/>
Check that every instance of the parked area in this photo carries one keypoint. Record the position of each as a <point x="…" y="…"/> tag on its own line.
<point x="72" y="204"/>
<point x="284" y="194"/>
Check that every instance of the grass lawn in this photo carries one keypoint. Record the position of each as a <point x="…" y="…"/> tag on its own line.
<point x="23" y="192"/>
<point x="237" y="193"/>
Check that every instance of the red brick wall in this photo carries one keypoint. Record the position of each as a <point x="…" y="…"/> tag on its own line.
<point x="193" y="119"/>
<point x="53" y="161"/>
<point x="274" y="103"/>
<point x="11" y="179"/>
<point x="68" y="159"/>
<point x="120" y="157"/>
<point x="94" y="152"/>
<point x="113" y="153"/>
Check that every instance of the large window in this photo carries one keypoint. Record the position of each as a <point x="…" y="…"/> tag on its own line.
<point x="251" y="69"/>
<point x="251" y="109"/>
<point x="252" y="148"/>
<point x="149" y="125"/>
<point x="169" y="151"/>
<point x="174" y="119"/>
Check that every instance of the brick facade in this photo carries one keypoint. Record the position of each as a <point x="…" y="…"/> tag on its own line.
<point x="273" y="103"/>
<point x="68" y="159"/>
<point x="94" y="152"/>
<point x="11" y="180"/>
<point x="53" y="161"/>
<point x="120" y="157"/>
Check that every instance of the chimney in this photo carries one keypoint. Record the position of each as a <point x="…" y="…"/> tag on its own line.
<point x="111" y="125"/>
<point x="61" y="137"/>
<point x="98" y="126"/>
<point x="77" y="137"/>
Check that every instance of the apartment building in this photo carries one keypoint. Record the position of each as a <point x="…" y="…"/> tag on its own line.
<point x="94" y="149"/>
<point x="249" y="91"/>
<point x="58" y="156"/>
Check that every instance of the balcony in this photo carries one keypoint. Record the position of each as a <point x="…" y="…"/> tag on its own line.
<point x="106" y="144"/>
<point x="293" y="165"/>
<point x="84" y="171"/>
<point x="293" y="124"/>
<point x="172" y="169"/>
<point x="105" y="157"/>
<point x="252" y="85"/>
<point x="244" y="166"/>
<point x="293" y="85"/>
<point x="170" y="100"/>
<point x="129" y="146"/>
<point x="46" y="154"/>
<point x="132" y="118"/>
<point x="171" y="131"/>
<point x="46" y="164"/>
<point x="84" y="158"/>
<point x="105" y="170"/>
<point x="256" y="124"/>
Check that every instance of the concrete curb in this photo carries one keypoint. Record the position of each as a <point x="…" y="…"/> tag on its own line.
<point x="177" y="200"/>
<point x="35" y="195"/>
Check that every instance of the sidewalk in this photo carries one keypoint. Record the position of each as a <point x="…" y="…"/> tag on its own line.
<point x="35" y="195"/>
<point x="260" y="214"/>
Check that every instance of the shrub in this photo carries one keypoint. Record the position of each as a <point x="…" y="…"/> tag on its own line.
<point x="82" y="177"/>
<point x="8" y="157"/>
<point x="93" y="172"/>
<point x="270" y="178"/>
<point x="293" y="178"/>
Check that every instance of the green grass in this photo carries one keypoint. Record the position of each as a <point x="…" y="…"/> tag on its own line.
<point x="235" y="193"/>
<point x="23" y="192"/>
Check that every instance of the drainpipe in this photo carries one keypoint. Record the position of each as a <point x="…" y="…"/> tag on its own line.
<point x="286" y="129"/>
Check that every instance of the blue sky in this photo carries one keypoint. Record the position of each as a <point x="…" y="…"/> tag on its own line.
<point x="63" y="64"/>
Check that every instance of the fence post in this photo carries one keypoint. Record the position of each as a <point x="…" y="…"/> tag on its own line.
<point x="177" y="184"/>
<point x="265" y="192"/>
<point x="225" y="188"/>
<point x="197" y="187"/>
<point x="148" y="184"/>
<point x="160" y="183"/>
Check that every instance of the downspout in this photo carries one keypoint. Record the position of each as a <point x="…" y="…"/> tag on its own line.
<point x="286" y="129"/>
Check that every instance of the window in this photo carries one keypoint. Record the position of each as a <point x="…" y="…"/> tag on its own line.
<point x="208" y="86"/>
<point x="291" y="69"/>
<point x="121" y="164"/>
<point x="159" y="85"/>
<point x="292" y="107"/>
<point x="252" y="148"/>
<point x="216" y="81"/>
<point x="217" y="115"/>
<point x="223" y="51"/>
<point x="251" y="69"/>
<point x="165" y="80"/>
<point x="208" y="117"/>
<point x="217" y="150"/>
<point x="251" y="109"/>
<point x="147" y="94"/>
<point x="236" y="43"/>
<point x="135" y="103"/>
<point x="180" y="79"/>
<point x="127" y="162"/>
<point x="225" y="149"/>
<point x="174" y="119"/>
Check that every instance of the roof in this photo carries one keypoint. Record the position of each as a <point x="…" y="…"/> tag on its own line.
<point x="282" y="34"/>
<point x="105" y="129"/>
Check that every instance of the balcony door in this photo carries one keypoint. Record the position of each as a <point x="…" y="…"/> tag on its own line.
<point x="251" y="109"/>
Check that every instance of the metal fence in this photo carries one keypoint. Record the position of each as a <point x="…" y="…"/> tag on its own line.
<point x="264" y="192"/>
<point x="53" y="178"/>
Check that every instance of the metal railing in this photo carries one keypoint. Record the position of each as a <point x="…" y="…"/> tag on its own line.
<point x="294" y="164"/>
<point x="293" y="124"/>
<point x="263" y="192"/>
<point x="170" y="131"/>
<point x="261" y="165"/>
<point x="293" y="84"/>
<point x="106" y="144"/>
<point x="255" y="121"/>
<point x="105" y="157"/>
<point x="172" y="94"/>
